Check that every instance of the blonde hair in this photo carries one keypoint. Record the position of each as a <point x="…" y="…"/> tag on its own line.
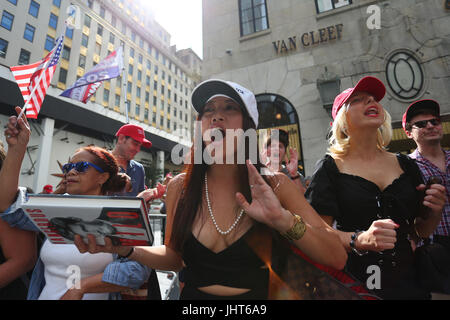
<point x="339" y="141"/>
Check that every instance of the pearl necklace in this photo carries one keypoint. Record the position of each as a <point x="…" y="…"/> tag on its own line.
<point x="212" y="216"/>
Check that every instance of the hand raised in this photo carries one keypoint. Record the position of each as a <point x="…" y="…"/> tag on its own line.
<point x="265" y="206"/>
<point x="17" y="131"/>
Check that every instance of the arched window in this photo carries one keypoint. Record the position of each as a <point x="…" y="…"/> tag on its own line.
<point x="276" y="112"/>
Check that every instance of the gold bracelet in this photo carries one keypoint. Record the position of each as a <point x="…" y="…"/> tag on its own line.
<point x="298" y="229"/>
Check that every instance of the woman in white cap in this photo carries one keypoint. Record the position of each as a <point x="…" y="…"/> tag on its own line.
<point x="374" y="196"/>
<point x="215" y="211"/>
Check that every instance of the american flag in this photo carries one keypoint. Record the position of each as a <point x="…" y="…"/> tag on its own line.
<point x="34" y="79"/>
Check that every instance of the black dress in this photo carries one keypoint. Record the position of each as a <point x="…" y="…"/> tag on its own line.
<point x="355" y="203"/>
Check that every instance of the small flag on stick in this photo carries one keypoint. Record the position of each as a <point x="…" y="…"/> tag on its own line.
<point x="34" y="79"/>
<point x="87" y="85"/>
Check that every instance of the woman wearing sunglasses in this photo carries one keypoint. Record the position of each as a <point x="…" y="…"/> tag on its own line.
<point x="91" y="171"/>
<point x="374" y="197"/>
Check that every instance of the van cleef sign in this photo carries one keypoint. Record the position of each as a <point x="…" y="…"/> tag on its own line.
<point x="309" y="39"/>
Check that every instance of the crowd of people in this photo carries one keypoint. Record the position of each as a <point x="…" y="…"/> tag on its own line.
<point x="363" y="206"/>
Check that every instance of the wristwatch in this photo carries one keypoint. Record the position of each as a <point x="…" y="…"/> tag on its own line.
<point x="298" y="229"/>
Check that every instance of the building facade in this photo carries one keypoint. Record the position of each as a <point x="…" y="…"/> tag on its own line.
<point x="296" y="56"/>
<point x="155" y="86"/>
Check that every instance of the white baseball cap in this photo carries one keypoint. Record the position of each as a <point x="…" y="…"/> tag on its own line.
<point x="215" y="87"/>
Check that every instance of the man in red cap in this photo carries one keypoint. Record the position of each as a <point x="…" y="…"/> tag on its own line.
<point x="48" y="189"/>
<point x="130" y="138"/>
<point x="422" y="123"/>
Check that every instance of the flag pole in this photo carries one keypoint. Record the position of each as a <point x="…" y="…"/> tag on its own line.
<point x="39" y="80"/>
<point x="124" y="93"/>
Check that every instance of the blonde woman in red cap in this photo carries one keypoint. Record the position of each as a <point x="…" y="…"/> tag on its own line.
<point x="372" y="195"/>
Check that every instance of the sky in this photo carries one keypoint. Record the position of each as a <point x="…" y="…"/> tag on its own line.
<point x="183" y="20"/>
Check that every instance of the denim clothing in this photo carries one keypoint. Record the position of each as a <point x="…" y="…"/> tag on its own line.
<point x="122" y="272"/>
<point x="137" y="174"/>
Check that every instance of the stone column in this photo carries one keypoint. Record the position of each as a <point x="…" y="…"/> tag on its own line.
<point x="43" y="160"/>
<point x="160" y="164"/>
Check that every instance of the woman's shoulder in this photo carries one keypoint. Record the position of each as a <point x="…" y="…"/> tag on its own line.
<point x="176" y="183"/>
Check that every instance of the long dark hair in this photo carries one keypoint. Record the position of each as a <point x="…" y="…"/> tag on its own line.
<point x="192" y="192"/>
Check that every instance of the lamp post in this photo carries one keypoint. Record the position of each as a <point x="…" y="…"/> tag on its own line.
<point x="329" y="86"/>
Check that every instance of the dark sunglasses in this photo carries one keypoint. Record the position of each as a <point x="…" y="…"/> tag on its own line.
<point x="423" y="123"/>
<point x="80" y="167"/>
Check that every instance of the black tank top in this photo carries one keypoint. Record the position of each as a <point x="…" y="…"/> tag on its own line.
<point x="235" y="266"/>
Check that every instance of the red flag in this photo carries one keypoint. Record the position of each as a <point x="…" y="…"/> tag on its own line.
<point x="34" y="79"/>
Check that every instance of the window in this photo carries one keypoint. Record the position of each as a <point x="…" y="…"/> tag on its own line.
<point x="69" y="33"/>
<point x="82" y="61"/>
<point x="13" y="2"/>
<point x="117" y="100"/>
<point x="141" y="58"/>
<point x="253" y="16"/>
<point x="147" y="96"/>
<point x="113" y="21"/>
<point x="24" y="57"/>
<point x="130" y="69"/>
<point x="34" y="8"/>
<point x="98" y="48"/>
<point x="84" y="40"/>
<point x="138" y="92"/>
<point x="404" y="74"/>
<point x="7" y="20"/>
<point x="130" y="86"/>
<point x="138" y="110"/>
<point x="3" y="47"/>
<point x="57" y="3"/>
<point x="62" y="75"/>
<point x="102" y="12"/>
<point x="105" y="95"/>
<point x="139" y="75"/>
<point x="100" y="30"/>
<point x="53" y="22"/>
<point x="29" y="32"/>
<point x="147" y="80"/>
<point x="327" y="5"/>
<point x="91" y="3"/>
<point x="49" y="43"/>
<point x="66" y="53"/>
<point x="87" y="21"/>
<point x="146" y="114"/>
<point x="112" y="38"/>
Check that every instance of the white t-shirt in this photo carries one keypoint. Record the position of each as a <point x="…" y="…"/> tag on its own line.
<point x="63" y="262"/>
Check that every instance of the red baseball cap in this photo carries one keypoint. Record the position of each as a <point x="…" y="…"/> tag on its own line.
<point x="425" y="104"/>
<point x="136" y="132"/>
<point x="368" y="84"/>
<point x="48" y="188"/>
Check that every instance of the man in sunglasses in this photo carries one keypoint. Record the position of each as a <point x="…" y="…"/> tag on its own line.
<point x="422" y="123"/>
